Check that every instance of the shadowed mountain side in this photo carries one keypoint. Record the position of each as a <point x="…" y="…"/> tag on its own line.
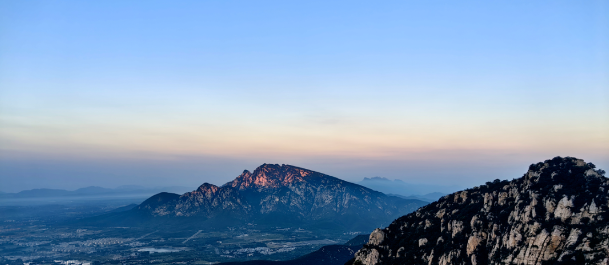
<point x="124" y="208"/>
<point x="326" y="255"/>
<point x="157" y="200"/>
<point x="271" y="195"/>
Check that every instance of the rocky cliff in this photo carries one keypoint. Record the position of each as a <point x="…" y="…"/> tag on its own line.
<point x="557" y="213"/>
<point x="283" y="193"/>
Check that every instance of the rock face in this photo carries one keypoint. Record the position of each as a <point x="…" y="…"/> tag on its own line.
<point x="557" y="213"/>
<point x="283" y="193"/>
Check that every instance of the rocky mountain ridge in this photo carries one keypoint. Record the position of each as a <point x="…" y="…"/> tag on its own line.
<point x="557" y="213"/>
<point x="282" y="193"/>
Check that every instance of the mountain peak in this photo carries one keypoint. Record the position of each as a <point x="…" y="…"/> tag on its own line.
<point x="206" y="187"/>
<point x="269" y="176"/>
<point x="561" y="169"/>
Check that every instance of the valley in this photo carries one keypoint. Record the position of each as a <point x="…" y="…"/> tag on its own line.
<point x="42" y="242"/>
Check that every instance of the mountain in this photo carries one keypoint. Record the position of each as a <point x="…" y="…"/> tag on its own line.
<point x="401" y="188"/>
<point x="557" y="213"/>
<point x="39" y="193"/>
<point x="276" y="194"/>
<point x="326" y="255"/>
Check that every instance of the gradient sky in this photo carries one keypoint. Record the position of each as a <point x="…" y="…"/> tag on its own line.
<point x="158" y="93"/>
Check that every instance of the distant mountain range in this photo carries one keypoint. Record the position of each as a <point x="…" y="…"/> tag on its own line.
<point x="91" y="191"/>
<point x="557" y="213"/>
<point x="427" y="192"/>
<point x="271" y="194"/>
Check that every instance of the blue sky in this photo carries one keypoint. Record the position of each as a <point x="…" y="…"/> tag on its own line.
<point x="111" y="93"/>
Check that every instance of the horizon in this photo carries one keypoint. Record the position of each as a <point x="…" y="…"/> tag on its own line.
<point x="140" y="186"/>
<point x="430" y="188"/>
<point x="177" y="94"/>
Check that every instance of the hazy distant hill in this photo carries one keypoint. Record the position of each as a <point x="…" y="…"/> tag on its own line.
<point x="557" y="213"/>
<point x="399" y="187"/>
<point x="273" y="194"/>
<point x="37" y="193"/>
<point x="89" y="191"/>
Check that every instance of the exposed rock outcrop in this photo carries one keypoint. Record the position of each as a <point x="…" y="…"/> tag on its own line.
<point x="557" y="213"/>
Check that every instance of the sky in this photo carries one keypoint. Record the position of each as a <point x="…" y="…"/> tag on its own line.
<point x="166" y="93"/>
